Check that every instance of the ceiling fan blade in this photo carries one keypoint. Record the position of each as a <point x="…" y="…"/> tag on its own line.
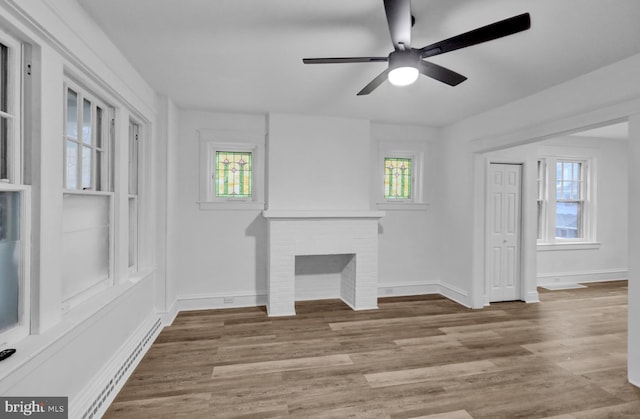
<point x="490" y="32"/>
<point x="399" y="20"/>
<point x="345" y="60"/>
<point x="440" y="73"/>
<point x="373" y="84"/>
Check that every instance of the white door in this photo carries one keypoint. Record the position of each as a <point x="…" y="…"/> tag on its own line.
<point x="503" y="230"/>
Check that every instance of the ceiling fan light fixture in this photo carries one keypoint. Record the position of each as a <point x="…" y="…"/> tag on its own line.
<point x="403" y="66"/>
<point x="403" y="76"/>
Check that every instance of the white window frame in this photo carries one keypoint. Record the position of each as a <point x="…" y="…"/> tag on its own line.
<point x="14" y="183"/>
<point x="79" y="297"/>
<point x="106" y="166"/>
<point x="14" y="108"/>
<point x="135" y="135"/>
<point x="548" y="239"/>
<point x="413" y="150"/>
<point x="542" y="199"/>
<point x="211" y="142"/>
<point x="106" y="176"/>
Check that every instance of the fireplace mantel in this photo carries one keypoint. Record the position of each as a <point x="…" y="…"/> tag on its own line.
<point x="320" y="214"/>
<point x="323" y="232"/>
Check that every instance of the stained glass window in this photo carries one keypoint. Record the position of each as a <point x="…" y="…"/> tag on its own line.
<point x="397" y="178"/>
<point x="233" y="175"/>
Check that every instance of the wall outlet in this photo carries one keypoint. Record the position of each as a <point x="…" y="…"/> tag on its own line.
<point x="228" y="300"/>
<point x="388" y="291"/>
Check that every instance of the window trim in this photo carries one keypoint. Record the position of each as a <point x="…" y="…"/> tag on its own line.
<point x="232" y="141"/>
<point x="549" y="241"/>
<point x="135" y="133"/>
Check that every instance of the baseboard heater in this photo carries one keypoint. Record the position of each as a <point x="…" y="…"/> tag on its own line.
<point x="122" y="372"/>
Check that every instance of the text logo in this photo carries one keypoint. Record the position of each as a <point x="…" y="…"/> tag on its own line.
<point x="34" y="407"/>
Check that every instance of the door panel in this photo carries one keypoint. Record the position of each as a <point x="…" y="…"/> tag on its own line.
<point x="503" y="229"/>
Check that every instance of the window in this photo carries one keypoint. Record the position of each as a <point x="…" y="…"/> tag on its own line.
<point x="10" y="145"/>
<point x="231" y="170"/>
<point x="233" y="174"/>
<point x="14" y="200"/>
<point x="87" y="223"/>
<point x="398" y="178"/>
<point x="86" y="142"/>
<point x="569" y="200"/>
<point x="565" y="201"/>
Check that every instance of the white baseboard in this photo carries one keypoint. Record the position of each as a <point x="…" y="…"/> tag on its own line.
<point x="169" y="316"/>
<point x="216" y="301"/>
<point x="95" y="399"/>
<point x="396" y="289"/>
<point x="634" y="382"/>
<point x="601" y="275"/>
<point x="401" y="289"/>
<point x="532" y="297"/>
<point x="454" y="293"/>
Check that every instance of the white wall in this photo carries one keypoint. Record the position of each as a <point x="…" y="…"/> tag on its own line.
<point x="606" y="262"/>
<point x="409" y="237"/>
<point x="212" y="254"/>
<point x="633" y="348"/>
<point x="215" y="254"/>
<point x="318" y="163"/>
<point x="166" y="145"/>
<point x="608" y="94"/>
<point x="123" y="318"/>
<point x="609" y="260"/>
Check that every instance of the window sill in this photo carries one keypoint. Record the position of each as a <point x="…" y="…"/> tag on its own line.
<point x="543" y="247"/>
<point x="79" y="192"/>
<point x="402" y="206"/>
<point x="231" y="205"/>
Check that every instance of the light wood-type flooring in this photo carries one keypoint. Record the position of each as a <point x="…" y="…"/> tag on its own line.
<point x="414" y="357"/>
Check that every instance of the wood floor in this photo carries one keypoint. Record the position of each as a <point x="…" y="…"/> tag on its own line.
<point x="415" y="357"/>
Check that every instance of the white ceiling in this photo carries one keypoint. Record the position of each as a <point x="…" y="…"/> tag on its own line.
<point x="246" y="55"/>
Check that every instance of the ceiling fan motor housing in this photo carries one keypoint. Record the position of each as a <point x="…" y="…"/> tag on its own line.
<point x="406" y="58"/>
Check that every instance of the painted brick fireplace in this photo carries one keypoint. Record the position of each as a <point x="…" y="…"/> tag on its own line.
<point x="305" y="233"/>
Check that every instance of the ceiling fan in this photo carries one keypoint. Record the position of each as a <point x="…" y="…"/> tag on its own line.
<point x="406" y="63"/>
